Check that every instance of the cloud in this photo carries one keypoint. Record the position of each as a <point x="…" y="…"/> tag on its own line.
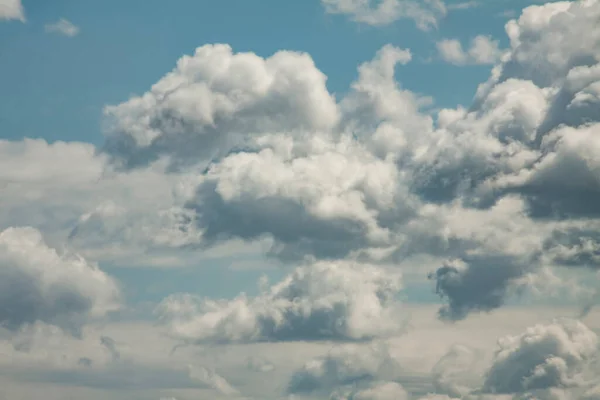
<point x="453" y="374"/>
<point x="545" y="356"/>
<point x="464" y="5"/>
<point x="12" y="9"/>
<point x="345" y="365"/>
<point x="234" y="146"/>
<point x="528" y="135"/>
<point x="483" y="50"/>
<point x="592" y="394"/>
<point x="339" y="301"/>
<point x="324" y="200"/>
<point x="425" y="14"/>
<point x="216" y="100"/>
<point x="477" y="284"/>
<point x="39" y="284"/>
<point x="135" y="218"/>
<point x="377" y="391"/>
<point x="211" y="379"/>
<point x="62" y="27"/>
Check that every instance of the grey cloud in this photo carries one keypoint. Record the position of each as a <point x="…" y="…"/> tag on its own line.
<point x="38" y="284"/>
<point x="111" y="346"/>
<point x="479" y="283"/>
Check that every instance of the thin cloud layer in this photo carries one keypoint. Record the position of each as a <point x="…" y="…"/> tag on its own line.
<point x="63" y="27"/>
<point x="337" y="301"/>
<point x="426" y="14"/>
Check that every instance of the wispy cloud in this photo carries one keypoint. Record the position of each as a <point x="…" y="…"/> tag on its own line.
<point x="464" y="5"/>
<point x="63" y="27"/>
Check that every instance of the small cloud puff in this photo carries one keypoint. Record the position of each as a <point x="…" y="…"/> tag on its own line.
<point x="483" y="50"/>
<point x="12" y="10"/>
<point x="426" y="14"/>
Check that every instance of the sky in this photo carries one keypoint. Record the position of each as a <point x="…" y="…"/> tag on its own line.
<point x="300" y="200"/>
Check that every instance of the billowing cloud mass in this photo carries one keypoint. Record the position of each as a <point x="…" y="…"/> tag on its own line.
<point x="12" y="9"/>
<point x="482" y="50"/>
<point x="37" y="284"/>
<point x="348" y="192"/>
<point x="372" y="176"/>
<point x="525" y="136"/>
<point x="337" y="301"/>
<point x="544" y="357"/>
<point x="425" y="13"/>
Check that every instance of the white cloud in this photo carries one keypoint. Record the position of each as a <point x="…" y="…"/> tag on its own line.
<point x="62" y="27"/>
<point x="215" y="100"/>
<point x="233" y="146"/>
<point x="212" y="379"/>
<point x="483" y="50"/>
<point x="339" y="301"/>
<point x="543" y="357"/>
<point x="12" y="9"/>
<point x="426" y="14"/>
<point x="39" y="284"/>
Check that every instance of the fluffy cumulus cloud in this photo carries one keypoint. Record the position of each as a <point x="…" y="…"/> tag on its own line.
<point x="337" y="301"/>
<point x="495" y="201"/>
<point x="372" y="176"/>
<point x="37" y="284"/>
<point x="529" y="134"/>
<point x="11" y="9"/>
<point x="544" y="357"/>
<point x="426" y="14"/>
<point x="482" y="50"/>
<point x="216" y="100"/>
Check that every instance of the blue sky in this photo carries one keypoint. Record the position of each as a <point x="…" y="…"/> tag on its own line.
<point x="299" y="200"/>
<point x="56" y="86"/>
